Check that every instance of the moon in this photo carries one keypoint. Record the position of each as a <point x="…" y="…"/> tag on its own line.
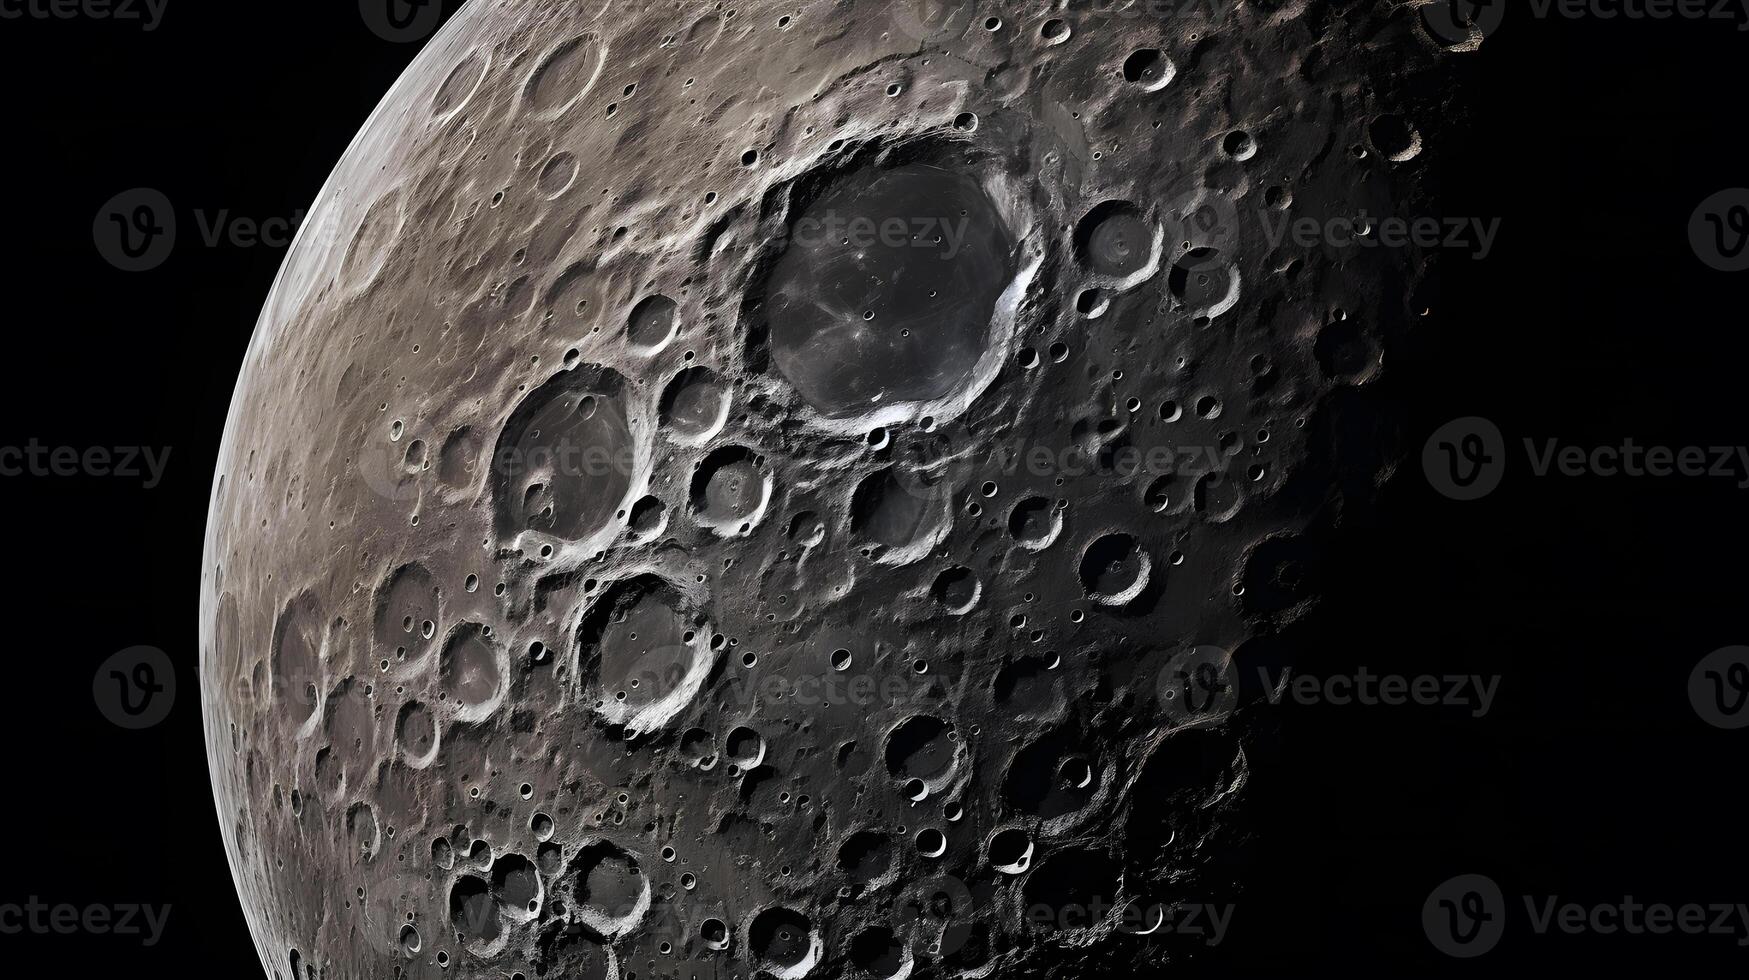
<point x="732" y="490"/>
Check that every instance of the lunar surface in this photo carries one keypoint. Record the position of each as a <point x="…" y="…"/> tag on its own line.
<point x="777" y="489"/>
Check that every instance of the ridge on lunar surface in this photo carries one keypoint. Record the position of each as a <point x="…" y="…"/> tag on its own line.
<point x="737" y="498"/>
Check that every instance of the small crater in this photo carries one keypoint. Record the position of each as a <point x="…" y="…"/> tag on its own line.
<point x="567" y="71"/>
<point x="1149" y="69"/>
<point x="922" y="747"/>
<point x="957" y="590"/>
<point x="1115" y="239"/>
<point x="1114" y="569"/>
<point x="695" y="405"/>
<point x="866" y="856"/>
<point x="1035" y="523"/>
<point x="783" y="939"/>
<point x="610" y="894"/>
<point x="1395" y="138"/>
<point x="1010" y="851"/>
<point x="652" y="323"/>
<point x="730" y="490"/>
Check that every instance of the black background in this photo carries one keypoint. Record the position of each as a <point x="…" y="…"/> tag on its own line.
<point x="1592" y="599"/>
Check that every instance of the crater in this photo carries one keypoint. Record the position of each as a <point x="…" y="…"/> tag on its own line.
<point x="377" y="233"/>
<point x="470" y="670"/>
<point x="516" y="887"/>
<point x="1203" y="283"/>
<point x="878" y="953"/>
<point x="642" y="653"/>
<point x="886" y="291"/>
<point x="784" y="941"/>
<point x="957" y="590"/>
<point x="1149" y="69"/>
<point x="651" y="323"/>
<point x="1052" y="777"/>
<point x="472" y="914"/>
<point x="610" y="893"/>
<point x="893" y="513"/>
<point x="461" y="83"/>
<point x="1035" y="524"/>
<point x="922" y="747"/>
<point x="297" y="663"/>
<point x="730" y="489"/>
<point x="695" y="405"/>
<point x="866" y="856"/>
<point x="1115" y="569"/>
<point x="562" y="77"/>
<point x="416" y="734"/>
<point x="1117" y="241"/>
<point x="563" y="464"/>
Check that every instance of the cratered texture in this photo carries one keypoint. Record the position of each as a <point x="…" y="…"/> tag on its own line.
<point x="752" y="489"/>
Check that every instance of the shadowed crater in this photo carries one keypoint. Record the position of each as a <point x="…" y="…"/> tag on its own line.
<point x="886" y="290"/>
<point x="564" y="461"/>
